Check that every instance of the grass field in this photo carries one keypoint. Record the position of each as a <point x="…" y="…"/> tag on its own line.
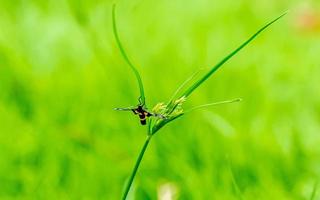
<point x="61" y="75"/>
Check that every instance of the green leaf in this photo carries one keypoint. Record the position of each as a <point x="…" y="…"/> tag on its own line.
<point x="126" y="58"/>
<point x="217" y="66"/>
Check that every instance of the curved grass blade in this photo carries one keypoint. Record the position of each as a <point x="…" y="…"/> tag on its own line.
<point x="217" y="66"/>
<point x="124" y="55"/>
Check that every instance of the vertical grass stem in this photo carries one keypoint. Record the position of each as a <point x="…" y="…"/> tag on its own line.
<point x="136" y="166"/>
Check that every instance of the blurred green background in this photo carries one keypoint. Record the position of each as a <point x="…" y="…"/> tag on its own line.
<point x="61" y="75"/>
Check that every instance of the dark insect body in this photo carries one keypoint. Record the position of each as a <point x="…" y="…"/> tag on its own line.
<point x="142" y="113"/>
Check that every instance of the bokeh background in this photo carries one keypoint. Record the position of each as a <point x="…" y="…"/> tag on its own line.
<point x="61" y="75"/>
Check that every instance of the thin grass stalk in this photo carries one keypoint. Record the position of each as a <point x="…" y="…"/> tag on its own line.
<point x="182" y="85"/>
<point x="213" y="104"/>
<point x="234" y="182"/>
<point x="136" y="166"/>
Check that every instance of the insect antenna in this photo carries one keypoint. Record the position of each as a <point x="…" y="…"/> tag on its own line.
<point x="123" y="109"/>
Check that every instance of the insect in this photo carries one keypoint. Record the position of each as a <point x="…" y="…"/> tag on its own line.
<point x="142" y="112"/>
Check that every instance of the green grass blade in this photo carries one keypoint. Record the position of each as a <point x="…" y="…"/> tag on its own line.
<point x="159" y="125"/>
<point x="184" y="84"/>
<point x="234" y="182"/>
<point x="212" y="104"/>
<point x="314" y="191"/>
<point x="124" y="55"/>
<point x="162" y="123"/>
<point x="217" y="66"/>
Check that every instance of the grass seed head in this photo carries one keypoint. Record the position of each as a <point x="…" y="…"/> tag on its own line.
<point x="159" y="108"/>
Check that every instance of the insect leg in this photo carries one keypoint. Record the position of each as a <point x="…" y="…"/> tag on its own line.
<point x="158" y="115"/>
<point x="142" y="103"/>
